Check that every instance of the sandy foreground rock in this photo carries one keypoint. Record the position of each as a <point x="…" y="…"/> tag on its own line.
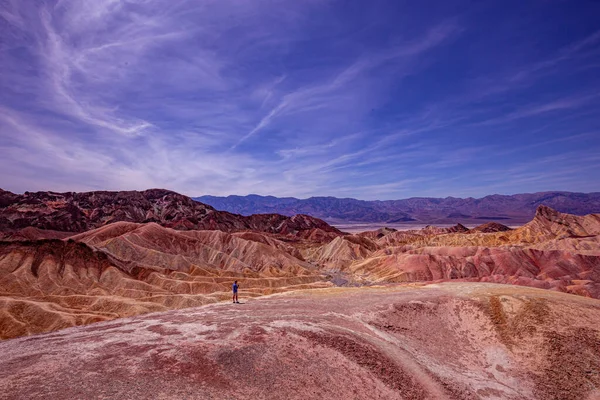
<point x="440" y="341"/>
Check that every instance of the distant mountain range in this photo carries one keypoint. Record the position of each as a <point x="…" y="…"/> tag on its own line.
<point x="516" y="208"/>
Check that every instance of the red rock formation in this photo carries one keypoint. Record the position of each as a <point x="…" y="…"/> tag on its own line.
<point x="126" y="269"/>
<point x="434" y="230"/>
<point x="341" y="251"/>
<point x="31" y="233"/>
<point x="554" y="251"/>
<point x="377" y="234"/>
<point x="147" y="267"/>
<point x="490" y="227"/>
<point x="550" y="269"/>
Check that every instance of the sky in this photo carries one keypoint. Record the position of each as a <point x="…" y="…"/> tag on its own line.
<point x="370" y="100"/>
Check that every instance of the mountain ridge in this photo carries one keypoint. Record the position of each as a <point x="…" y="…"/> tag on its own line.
<point x="82" y="211"/>
<point x="517" y="208"/>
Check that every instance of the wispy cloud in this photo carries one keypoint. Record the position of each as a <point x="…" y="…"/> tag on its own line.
<point x="233" y="96"/>
<point x="322" y="96"/>
<point x="532" y="110"/>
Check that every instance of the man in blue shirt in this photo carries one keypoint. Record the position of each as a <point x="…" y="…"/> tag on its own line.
<point x="235" y="292"/>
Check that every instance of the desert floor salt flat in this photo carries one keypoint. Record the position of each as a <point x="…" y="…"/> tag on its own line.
<point x="362" y="227"/>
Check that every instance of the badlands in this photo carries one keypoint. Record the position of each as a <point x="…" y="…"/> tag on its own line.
<point x="383" y="314"/>
<point x="440" y="341"/>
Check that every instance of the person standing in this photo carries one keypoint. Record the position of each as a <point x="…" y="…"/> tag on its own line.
<point x="235" y="288"/>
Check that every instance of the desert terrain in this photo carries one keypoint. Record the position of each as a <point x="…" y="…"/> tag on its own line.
<point x="151" y="258"/>
<point x="438" y="341"/>
<point x="448" y="312"/>
<point x="297" y="200"/>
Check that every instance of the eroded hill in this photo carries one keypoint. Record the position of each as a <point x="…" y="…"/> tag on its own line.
<point x="554" y="251"/>
<point x="126" y="268"/>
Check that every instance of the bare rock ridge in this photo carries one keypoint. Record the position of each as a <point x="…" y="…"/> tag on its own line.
<point x="513" y="209"/>
<point x="31" y="233"/>
<point x="79" y="212"/>
<point x="490" y="227"/>
<point x="442" y="341"/>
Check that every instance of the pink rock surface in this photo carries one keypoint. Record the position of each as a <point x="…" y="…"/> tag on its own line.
<point x="445" y="341"/>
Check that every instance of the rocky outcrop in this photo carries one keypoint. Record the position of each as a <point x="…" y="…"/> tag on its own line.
<point x="377" y="234"/>
<point x="341" y="251"/>
<point x="31" y="233"/>
<point x="434" y="230"/>
<point x="550" y="224"/>
<point x="490" y="227"/>
<point x="169" y="249"/>
<point x="549" y="269"/>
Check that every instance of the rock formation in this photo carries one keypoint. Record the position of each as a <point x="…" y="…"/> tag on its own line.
<point x="123" y="268"/>
<point x="31" y="233"/>
<point x="554" y="251"/>
<point x="126" y="269"/>
<point x="490" y="227"/>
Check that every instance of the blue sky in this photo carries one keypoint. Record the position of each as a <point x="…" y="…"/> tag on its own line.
<point x="372" y="100"/>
